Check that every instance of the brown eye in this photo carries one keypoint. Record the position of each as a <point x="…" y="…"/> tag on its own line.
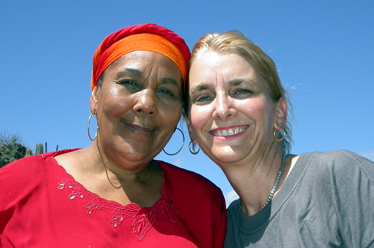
<point x="166" y="91"/>
<point x="130" y="85"/>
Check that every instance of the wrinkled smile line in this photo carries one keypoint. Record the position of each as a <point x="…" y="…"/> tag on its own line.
<point x="139" y="130"/>
<point x="228" y="132"/>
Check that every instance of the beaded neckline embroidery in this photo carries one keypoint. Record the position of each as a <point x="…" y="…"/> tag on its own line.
<point x="163" y="210"/>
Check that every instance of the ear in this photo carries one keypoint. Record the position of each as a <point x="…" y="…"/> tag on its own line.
<point x="281" y="114"/>
<point x="94" y="99"/>
<point x="189" y="129"/>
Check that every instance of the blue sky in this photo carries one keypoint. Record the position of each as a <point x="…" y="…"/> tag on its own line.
<point x="323" y="50"/>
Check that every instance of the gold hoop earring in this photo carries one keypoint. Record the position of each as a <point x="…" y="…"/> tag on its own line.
<point x="88" y="128"/>
<point x="192" y="151"/>
<point x="172" y="154"/>
<point x="281" y="139"/>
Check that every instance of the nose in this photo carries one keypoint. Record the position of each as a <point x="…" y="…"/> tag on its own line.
<point x="223" y="108"/>
<point x="146" y="102"/>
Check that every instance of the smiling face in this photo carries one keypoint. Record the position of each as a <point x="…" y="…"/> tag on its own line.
<point x="231" y="113"/>
<point x="138" y="107"/>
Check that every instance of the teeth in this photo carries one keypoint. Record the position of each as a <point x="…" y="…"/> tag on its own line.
<point x="229" y="132"/>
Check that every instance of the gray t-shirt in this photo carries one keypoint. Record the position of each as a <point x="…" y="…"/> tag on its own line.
<point x="326" y="201"/>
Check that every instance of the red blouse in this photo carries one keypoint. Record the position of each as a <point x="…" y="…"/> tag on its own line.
<point x="43" y="206"/>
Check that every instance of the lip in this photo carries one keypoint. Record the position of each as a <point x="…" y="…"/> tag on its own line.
<point x="228" y="132"/>
<point x="139" y="129"/>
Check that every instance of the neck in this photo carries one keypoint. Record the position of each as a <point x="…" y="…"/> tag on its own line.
<point x="117" y="175"/>
<point x="254" y="180"/>
<point x="142" y="186"/>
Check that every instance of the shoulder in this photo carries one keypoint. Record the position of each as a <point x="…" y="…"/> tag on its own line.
<point x="29" y="168"/>
<point x="341" y="159"/>
<point x="188" y="179"/>
<point x="25" y="165"/>
<point x="184" y="174"/>
<point x="29" y="174"/>
<point x="233" y="207"/>
<point x="338" y="166"/>
<point x="340" y="156"/>
<point x="234" y="220"/>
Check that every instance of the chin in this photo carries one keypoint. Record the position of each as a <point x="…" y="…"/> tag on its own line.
<point x="224" y="158"/>
<point x="225" y="155"/>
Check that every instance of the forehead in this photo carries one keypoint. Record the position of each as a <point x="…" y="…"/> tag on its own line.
<point x="145" y="57"/>
<point x="210" y="66"/>
<point x="144" y="63"/>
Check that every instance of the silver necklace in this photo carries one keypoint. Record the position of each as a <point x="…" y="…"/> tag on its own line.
<point x="271" y="195"/>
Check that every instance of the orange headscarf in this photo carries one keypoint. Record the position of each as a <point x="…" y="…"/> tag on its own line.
<point x="146" y="37"/>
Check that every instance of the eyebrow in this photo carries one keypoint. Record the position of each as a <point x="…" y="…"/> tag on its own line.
<point x="172" y="81"/>
<point x="164" y="80"/>
<point x="200" y="87"/>
<point x="234" y="82"/>
<point x="239" y="81"/>
<point x="134" y="72"/>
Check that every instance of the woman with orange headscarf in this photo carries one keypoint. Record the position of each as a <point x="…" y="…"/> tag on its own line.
<point x="113" y="193"/>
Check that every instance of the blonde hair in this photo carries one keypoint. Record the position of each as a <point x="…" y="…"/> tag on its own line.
<point x="235" y="42"/>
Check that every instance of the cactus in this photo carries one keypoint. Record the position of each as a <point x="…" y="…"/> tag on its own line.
<point x="12" y="148"/>
<point x="39" y="149"/>
<point x="28" y="152"/>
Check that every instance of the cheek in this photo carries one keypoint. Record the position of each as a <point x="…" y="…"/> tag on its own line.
<point x="116" y="105"/>
<point x="254" y="108"/>
<point x="199" y="116"/>
<point x="170" y="117"/>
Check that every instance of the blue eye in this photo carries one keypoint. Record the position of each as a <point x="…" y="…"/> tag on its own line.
<point x="242" y="91"/>
<point x="203" y="99"/>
